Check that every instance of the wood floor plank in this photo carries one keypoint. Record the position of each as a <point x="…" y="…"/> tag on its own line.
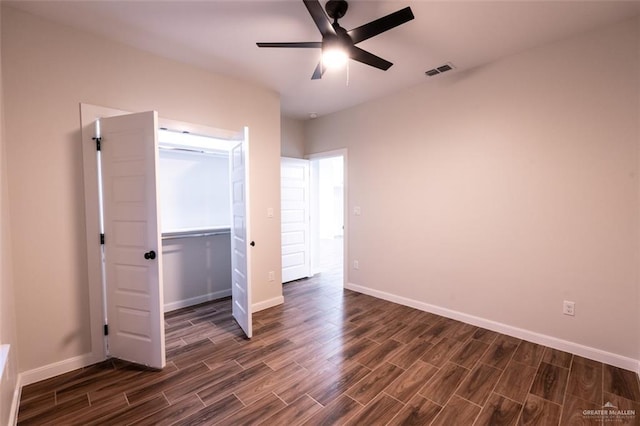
<point x="326" y="392"/>
<point x="128" y="382"/>
<point x="457" y="412"/>
<point x="317" y="376"/>
<point x="418" y="411"/>
<point x="463" y="332"/>
<point x="501" y="351"/>
<point x="405" y="387"/>
<point x="335" y="413"/>
<point x="178" y="391"/>
<point x="295" y="413"/>
<point x="387" y="332"/>
<point x="376" y="356"/>
<point x="178" y="377"/>
<point x="97" y="410"/>
<point x="437" y="331"/>
<point x="444" y="383"/>
<point x="172" y="413"/>
<point x="499" y="411"/>
<point x="573" y="412"/>
<point x="550" y="382"/>
<point x="538" y="411"/>
<point x="479" y="383"/>
<point x="529" y="353"/>
<point x="353" y="350"/>
<point x="469" y="353"/>
<point x="379" y="411"/>
<point x="410" y="353"/>
<point x="68" y="407"/>
<point x="36" y="404"/>
<point x="630" y="408"/>
<point x="441" y="352"/>
<point x="131" y="413"/>
<point x="258" y="355"/>
<point x="374" y="383"/>
<point x="585" y="381"/>
<point x="230" y="384"/>
<point x="253" y="413"/>
<point x="410" y="333"/>
<point x="484" y="335"/>
<point x="621" y="382"/>
<point x="256" y="389"/>
<point x="516" y="381"/>
<point x="213" y="413"/>
<point x="557" y="357"/>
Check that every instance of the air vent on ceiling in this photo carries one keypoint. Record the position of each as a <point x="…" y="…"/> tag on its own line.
<point x="439" y="70"/>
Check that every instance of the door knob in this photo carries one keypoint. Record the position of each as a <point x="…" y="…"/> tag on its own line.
<point x="252" y="243"/>
<point x="150" y="255"/>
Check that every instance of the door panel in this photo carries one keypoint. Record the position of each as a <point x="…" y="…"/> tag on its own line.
<point x="131" y="226"/>
<point x="240" y="280"/>
<point x="296" y="259"/>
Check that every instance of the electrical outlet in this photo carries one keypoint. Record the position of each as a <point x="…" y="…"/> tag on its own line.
<point x="569" y="308"/>
<point x="270" y="212"/>
<point x="357" y="211"/>
<point x="272" y="276"/>
<point x="356" y="264"/>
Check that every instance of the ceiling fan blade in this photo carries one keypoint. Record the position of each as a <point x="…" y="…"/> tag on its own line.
<point x="301" y="44"/>
<point x="381" y="25"/>
<point x="317" y="74"/>
<point x="319" y="17"/>
<point x="365" y="57"/>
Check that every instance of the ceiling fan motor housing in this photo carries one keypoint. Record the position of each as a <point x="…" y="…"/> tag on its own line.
<point x="336" y="9"/>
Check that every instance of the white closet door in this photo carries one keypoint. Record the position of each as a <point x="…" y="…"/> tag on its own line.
<point x="240" y="246"/>
<point x="133" y="250"/>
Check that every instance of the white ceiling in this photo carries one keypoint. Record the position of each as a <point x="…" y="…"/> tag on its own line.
<point x="221" y="35"/>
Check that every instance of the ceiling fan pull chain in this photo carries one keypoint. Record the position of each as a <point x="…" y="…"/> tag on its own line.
<point x="347" y="74"/>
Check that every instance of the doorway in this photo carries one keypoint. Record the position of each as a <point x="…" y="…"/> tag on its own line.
<point x="130" y="292"/>
<point x="195" y="211"/>
<point x="328" y="224"/>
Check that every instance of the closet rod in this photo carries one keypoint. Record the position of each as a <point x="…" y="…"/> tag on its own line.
<point x="194" y="234"/>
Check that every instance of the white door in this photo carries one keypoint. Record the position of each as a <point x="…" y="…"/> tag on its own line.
<point x="240" y="280"/>
<point x="294" y="188"/>
<point x="132" y="250"/>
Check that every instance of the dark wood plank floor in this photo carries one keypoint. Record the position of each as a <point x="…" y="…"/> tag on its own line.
<point x="331" y="356"/>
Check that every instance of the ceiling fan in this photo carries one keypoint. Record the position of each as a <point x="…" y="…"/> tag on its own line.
<point x="338" y="43"/>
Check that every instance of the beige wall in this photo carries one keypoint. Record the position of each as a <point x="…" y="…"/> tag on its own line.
<point x="292" y="137"/>
<point x="502" y="191"/>
<point x="7" y="310"/>
<point x="48" y="70"/>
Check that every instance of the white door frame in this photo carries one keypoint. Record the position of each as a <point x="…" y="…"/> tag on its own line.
<point x="88" y="116"/>
<point x="345" y="253"/>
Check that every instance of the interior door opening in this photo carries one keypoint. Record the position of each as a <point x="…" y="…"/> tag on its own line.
<point x="327" y="213"/>
<point x="195" y="212"/>
<point x="202" y="187"/>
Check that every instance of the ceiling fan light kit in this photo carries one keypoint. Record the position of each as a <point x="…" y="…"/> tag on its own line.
<point x="339" y="44"/>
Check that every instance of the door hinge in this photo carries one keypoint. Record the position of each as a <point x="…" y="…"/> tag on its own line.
<point x="98" y="141"/>
<point x="101" y="239"/>
<point x="106" y="329"/>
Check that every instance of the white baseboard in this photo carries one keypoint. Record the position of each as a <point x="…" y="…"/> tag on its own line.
<point x="172" y="306"/>
<point x="260" y="306"/>
<point x="531" y="336"/>
<point x="15" y="403"/>
<point x="55" y="369"/>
